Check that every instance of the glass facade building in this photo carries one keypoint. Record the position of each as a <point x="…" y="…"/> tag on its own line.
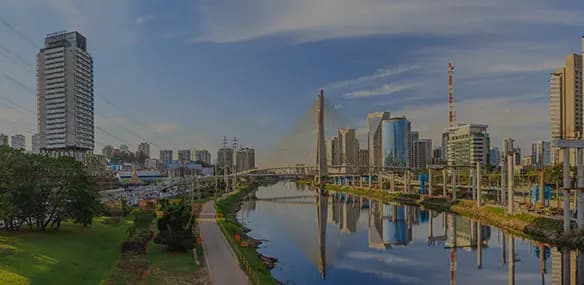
<point x="395" y="138"/>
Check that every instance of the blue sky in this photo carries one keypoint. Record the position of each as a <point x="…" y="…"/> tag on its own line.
<point x="186" y="73"/>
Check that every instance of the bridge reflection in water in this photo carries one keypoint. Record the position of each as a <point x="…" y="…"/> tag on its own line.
<point x="347" y="239"/>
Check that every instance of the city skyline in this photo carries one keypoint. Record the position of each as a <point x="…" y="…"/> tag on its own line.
<point x="501" y="79"/>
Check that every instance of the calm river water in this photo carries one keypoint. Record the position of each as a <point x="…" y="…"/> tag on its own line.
<point x="345" y="239"/>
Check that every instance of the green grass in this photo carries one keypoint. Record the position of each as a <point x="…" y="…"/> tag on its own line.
<point x="71" y="255"/>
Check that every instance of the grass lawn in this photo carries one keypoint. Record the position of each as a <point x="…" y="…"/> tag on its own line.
<point x="71" y="255"/>
<point x="173" y="267"/>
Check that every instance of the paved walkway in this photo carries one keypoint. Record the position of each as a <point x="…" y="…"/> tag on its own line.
<point x="221" y="262"/>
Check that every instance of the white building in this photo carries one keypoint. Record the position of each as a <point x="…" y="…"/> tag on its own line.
<point x="468" y="143"/>
<point x="36" y="143"/>
<point x="201" y="155"/>
<point x="374" y="138"/>
<point x="245" y="159"/>
<point x="18" y="142"/>
<point x="65" y="96"/>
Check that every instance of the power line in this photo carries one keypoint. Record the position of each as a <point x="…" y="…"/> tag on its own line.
<point x="21" y="35"/>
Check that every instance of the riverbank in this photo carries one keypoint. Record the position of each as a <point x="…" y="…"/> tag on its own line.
<point x="254" y="264"/>
<point x="527" y="225"/>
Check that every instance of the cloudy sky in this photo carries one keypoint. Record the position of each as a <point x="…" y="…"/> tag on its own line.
<point x="185" y="73"/>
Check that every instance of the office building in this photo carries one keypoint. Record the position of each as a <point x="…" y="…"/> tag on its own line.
<point x="202" y="155"/>
<point x="144" y="148"/>
<point x="348" y="146"/>
<point x="444" y="147"/>
<point x="245" y="159"/>
<point x="165" y="157"/>
<point x="17" y="142"/>
<point x="374" y="137"/>
<point x="414" y="136"/>
<point x="541" y="153"/>
<point x="363" y="158"/>
<point x="423" y="153"/>
<point x="225" y="159"/>
<point x="65" y="96"/>
<point x="36" y="143"/>
<point x="333" y="152"/>
<point x="517" y="152"/>
<point x="494" y="156"/>
<point x="437" y="155"/>
<point x="184" y="155"/>
<point x="396" y="138"/>
<point x="467" y="144"/>
<point x="3" y="139"/>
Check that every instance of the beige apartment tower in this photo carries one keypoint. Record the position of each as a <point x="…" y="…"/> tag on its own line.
<point x="566" y="104"/>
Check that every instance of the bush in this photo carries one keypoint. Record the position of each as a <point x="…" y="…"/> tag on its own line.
<point x="175" y="228"/>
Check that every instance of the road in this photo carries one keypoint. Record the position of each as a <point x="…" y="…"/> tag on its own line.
<point x="221" y="261"/>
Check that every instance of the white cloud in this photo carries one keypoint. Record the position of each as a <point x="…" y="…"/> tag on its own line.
<point x="379" y="74"/>
<point x="143" y="19"/>
<point x="311" y="20"/>
<point x="165" y="128"/>
<point x="386" y="89"/>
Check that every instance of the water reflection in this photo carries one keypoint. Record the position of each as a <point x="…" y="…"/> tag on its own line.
<point x="354" y="239"/>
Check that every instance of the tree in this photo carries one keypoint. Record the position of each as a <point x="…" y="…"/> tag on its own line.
<point x="41" y="191"/>
<point x="175" y="228"/>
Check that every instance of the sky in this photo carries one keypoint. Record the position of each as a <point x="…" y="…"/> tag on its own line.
<point x="183" y="74"/>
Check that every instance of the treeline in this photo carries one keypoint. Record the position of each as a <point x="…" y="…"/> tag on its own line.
<point x="40" y="192"/>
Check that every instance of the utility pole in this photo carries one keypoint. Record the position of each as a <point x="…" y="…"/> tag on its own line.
<point x="225" y="166"/>
<point x="234" y="145"/>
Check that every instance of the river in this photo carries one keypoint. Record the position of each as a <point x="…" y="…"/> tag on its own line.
<point x="339" y="238"/>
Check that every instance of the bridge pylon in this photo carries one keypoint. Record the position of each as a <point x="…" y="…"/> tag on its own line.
<point x="321" y="163"/>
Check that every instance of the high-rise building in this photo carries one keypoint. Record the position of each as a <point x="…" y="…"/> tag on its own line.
<point x="517" y="152"/>
<point x="541" y="153"/>
<point x="65" y="96"/>
<point x="144" y="148"/>
<point x="444" y="146"/>
<point x="245" y="159"/>
<point x="3" y="139"/>
<point x="17" y="142"/>
<point x="396" y="138"/>
<point x="566" y="106"/>
<point x="184" y="155"/>
<point x="437" y="155"/>
<point x="363" y="158"/>
<point x="423" y="155"/>
<point x="348" y="147"/>
<point x="494" y="156"/>
<point x="36" y="143"/>
<point x="225" y="158"/>
<point x="165" y="157"/>
<point x="374" y="137"/>
<point x="334" y="151"/>
<point x="467" y="144"/>
<point x="202" y="155"/>
<point x="414" y="137"/>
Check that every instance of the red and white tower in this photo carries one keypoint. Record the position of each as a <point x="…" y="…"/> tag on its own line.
<point x="451" y="111"/>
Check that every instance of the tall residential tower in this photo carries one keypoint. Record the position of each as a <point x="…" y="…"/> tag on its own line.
<point x="65" y="96"/>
